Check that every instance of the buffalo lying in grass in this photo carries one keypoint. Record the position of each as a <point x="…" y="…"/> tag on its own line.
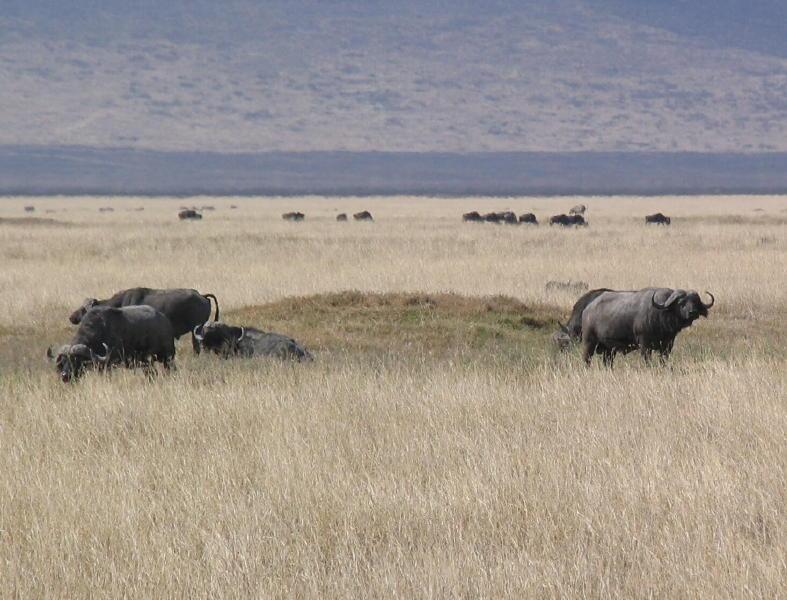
<point x="228" y="340"/>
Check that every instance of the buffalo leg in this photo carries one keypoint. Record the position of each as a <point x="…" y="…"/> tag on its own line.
<point x="195" y="344"/>
<point x="588" y="349"/>
<point x="608" y="357"/>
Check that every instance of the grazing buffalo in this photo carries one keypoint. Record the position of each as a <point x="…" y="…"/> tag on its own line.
<point x="573" y="329"/>
<point x="233" y="206"/>
<point x="341" y="217"/>
<point x="568" y="220"/>
<point x="501" y="217"/>
<point x="183" y="307"/>
<point x="657" y="219"/>
<point x="106" y="209"/>
<point x="579" y="209"/>
<point x="528" y="218"/>
<point x="364" y="215"/>
<point x="189" y="213"/>
<point x="227" y="340"/>
<point x="647" y="320"/>
<point x="472" y="217"/>
<point x="293" y="216"/>
<point x="30" y="208"/>
<point x="108" y="336"/>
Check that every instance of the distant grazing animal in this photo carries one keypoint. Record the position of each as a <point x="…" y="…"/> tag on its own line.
<point x="657" y="219"/>
<point x="107" y="336"/>
<point x="573" y="329"/>
<point x="293" y="216"/>
<point x="364" y="215"/>
<point x="208" y="208"/>
<point x="341" y="217"/>
<point x="472" y="217"/>
<point x="189" y="213"/>
<point x="233" y="206"/>
<point x="106" y="209"/>
<point x="648" y="320"/>
<point x="501" y="217"/>
<point x="528" y="218"/>
<point x="227" y="340"/>
<point x="30" y="208"/>
<point x="575" y="287"/>
<point x="579" y="209"/>
<point x="184" y="308"/>
<point x="568" y="220"/>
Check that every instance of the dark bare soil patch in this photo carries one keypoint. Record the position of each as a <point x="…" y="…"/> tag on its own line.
<point x="33" y="221"/>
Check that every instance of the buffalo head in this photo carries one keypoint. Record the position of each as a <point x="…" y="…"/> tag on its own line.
<point x="687" y="305"/>
<point x="76" y="316"/>
<point x="72" y="360"/>
<point x="219" y="338"/>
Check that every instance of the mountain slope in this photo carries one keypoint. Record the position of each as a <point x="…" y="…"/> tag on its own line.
<point x="244" y="76"/>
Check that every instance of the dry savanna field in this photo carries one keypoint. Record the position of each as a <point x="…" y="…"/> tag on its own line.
<point x="438" y="446"/>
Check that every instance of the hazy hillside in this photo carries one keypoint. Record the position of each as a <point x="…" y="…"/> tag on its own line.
<point x="242" y="76"/>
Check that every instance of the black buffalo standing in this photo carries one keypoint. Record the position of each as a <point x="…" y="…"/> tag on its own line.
<point x="472" y="217"/>
<point x="341" y="217"/>
<point x="189" y="214"/>
<point x="657" y="219"/>
<point x="648" y="320"/>
<point x="364" y="215"/>
<point x="528" y="218"/>
<point x="228" y="340"/>
<point x="293" y="216"/>
<point x="568" y="220"/>
<point x="108" y="336"/>
<point x="183" y="307"/>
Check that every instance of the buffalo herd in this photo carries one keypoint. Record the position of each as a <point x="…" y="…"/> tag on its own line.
<point x="138" y="327"/>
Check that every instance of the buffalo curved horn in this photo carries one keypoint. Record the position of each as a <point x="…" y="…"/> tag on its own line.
<point x="712" y="300"/>
<point x="675" y="295"/>
<point x="196" y="335"/>
<point x="242" y="333"/>
<point x="99" y="358"/>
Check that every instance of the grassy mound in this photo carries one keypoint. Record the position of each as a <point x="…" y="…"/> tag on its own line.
<point x="436" y="324"/>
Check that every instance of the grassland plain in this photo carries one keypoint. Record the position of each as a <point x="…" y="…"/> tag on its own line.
<point x="437" y="447"/>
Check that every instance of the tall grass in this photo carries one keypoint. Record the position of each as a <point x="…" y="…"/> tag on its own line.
<point x="384" y="469"/>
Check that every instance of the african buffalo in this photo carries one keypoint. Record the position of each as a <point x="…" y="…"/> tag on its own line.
<point x="30" y="208"/>
<point x="579" y="209"/>
<point x="183" y="307"/>
<point x="106" y="209"/>
<point x="528" y="218"/>
<point x="657" y="219"/>
<point x="364" y="215"/>
<point x="568" y="220"/>
<point x="227" y="340"/>
<point x="293" y="216"/>
<point x="108" y="336"/>
<point x="501" y="217"/>
<point x="647" y="320"/>
<point x="189" y="213"/>
<point x="341" y="217"/>
<point x="472" y="217"/>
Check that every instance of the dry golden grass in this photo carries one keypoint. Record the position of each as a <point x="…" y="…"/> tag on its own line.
<point x="437" y="447"/>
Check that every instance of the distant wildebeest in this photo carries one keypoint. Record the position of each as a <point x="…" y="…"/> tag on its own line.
<point x="30" y="208"/>
<point x="106" y="209"/>
<point x="657" y="219"/>
<point x="184" y="308"/>
<point x="227" y="340"/>
<point x="574" y="287"/>
<point x="648" y="320"/>
<point x="579" y="209"/>
<point x="108" y="336"/>
<point x="568" y="220"/>
<point x="472" y="217"/>
<point x="293" y="216"/>
<point x="501" y="217"/>
<point x="572" y="331"/>
<point x="341" y="217"/>
<point x="528" y="218"/>
<point x="189" y="213"/>
<point x="364" y="215"/>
